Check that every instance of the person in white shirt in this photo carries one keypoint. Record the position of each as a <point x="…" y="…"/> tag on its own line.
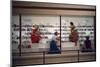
<point x="55" y="37"/>
<point x="53" y="44"/>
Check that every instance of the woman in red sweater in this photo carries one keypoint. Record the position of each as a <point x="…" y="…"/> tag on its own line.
<point x="35" y="35"/>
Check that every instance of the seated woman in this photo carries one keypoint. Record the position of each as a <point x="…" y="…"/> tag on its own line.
<point x="87" y="43"/>
<point x="53" y="44"/>
<point x="35" y="35"/>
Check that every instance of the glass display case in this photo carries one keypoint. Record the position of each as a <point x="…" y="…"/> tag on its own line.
<point x="42" y="34"/>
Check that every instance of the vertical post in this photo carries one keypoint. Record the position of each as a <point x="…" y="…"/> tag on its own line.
<point x="20" y="24"/>
<point x="43" y="57"/>
<point x="60" y="34"/>
<point x="78" y="56"/>
<point x="95" y="32"/>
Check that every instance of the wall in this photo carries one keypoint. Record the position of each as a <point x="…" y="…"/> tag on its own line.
<point x="86" y="2"/>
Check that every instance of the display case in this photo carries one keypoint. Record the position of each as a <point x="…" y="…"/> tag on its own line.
<point x="35" y="24"/>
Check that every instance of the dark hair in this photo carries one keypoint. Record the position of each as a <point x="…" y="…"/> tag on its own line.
<point x="71" y="23"/>
<point x="87" y="37"/>
<point x="56" y="33"/>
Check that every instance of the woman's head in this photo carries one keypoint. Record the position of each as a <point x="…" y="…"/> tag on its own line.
<point x="56" y="33"/>
<point x="72" y="26"/>
<point x="35" y="27"/>
<point x="71" y="23"/>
